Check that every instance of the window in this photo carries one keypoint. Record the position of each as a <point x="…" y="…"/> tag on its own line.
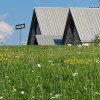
<point x="57" y="41"/>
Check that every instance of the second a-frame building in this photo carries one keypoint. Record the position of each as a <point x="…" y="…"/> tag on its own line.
<point x="55" y="26"/>
<point x="82" y="25"/>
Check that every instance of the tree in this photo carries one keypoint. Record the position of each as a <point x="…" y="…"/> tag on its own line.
<point x="96" y="40"/>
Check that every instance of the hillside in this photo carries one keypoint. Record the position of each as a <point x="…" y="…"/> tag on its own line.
<point x="49" y="73"/>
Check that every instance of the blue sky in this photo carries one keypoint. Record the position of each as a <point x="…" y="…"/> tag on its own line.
<point x="14" y="12"/>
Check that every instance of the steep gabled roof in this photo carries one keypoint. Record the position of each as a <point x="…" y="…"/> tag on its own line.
<point x="87" y="22"/>
<point x="51" y="20"/>
<point x="49" y="39"/>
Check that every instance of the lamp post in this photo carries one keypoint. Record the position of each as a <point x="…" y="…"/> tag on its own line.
<point x="19" y="27"/>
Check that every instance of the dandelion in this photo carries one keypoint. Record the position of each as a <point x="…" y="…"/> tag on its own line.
<point x="38" y="65"/>
<point x="22" y="92"/>
<point x="1" y="97"/>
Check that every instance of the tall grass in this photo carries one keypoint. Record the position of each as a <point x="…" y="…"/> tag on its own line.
<point x="49" y="73"/>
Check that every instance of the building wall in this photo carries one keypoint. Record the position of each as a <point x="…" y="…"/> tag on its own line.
<point x="76" y="39"/>
<point x="72" y="37"/>
<point x="32" y="39"/>
<point x="68" y="37"/>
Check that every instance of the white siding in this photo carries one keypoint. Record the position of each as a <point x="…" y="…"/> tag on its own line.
<point x="49" y="39"/>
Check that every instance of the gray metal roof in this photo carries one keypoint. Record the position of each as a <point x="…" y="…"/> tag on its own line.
<point x="87" y="21"/>
<point x="49" y="39"/>
<point x="52" y="21"/>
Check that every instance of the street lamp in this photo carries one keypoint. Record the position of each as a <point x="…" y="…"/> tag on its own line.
<point x="19" y="27"/>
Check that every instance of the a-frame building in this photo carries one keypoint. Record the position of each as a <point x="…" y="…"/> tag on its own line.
<point x="82" y="25"/>
<point x="47" y="26"/>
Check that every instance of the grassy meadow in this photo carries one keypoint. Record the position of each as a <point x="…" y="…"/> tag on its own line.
<point x="49" y="73"/>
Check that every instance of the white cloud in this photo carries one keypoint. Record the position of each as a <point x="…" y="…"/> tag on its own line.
<point x="6" y="30"/>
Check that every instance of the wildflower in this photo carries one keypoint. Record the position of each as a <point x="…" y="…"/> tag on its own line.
<point x="97" y="61"/>
<point x="53" y="91"/>
<point x="5" y="90"/>
<point x="6" y="76"/>
<point x="22" y="92"/>
<point x="6" y="49"/>
<point x="52" y="64"/>
<point x="74" y="74"/>
<point x="85" y="44"/>
<point x="97" y="93"/>
<point x="57" y="95"/>
<point x="85" y="88"/>
<point x="14" y="89"/>
<point x="33" y="97"/>
<point x="51" y="94"/>
<point x="49" y="61"/>
<point x="79" y="53"/>
<point x="69" y="45"/>
<point x="79" y="46"/>
<point x="1" y="97"/>
<point x="52" y="98"/>
<point x="77" y="92"/>
<point x="17" y="56"/>
<point x="38" y="65"/>
<point x="38" y="85"/>
<point x="1" y="81"/>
